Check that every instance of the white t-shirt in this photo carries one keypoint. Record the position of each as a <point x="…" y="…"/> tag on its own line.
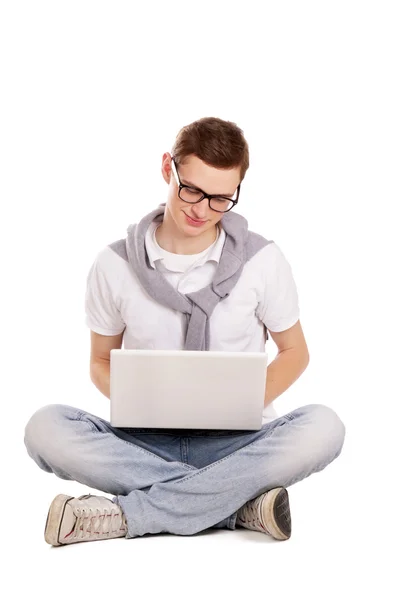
<point x="265" y="296"/>
<point x="178" y="263"/>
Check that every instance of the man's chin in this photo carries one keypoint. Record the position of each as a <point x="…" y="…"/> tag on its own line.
<point x="193" y="231"/>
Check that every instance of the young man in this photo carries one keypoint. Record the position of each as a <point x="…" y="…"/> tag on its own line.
<point x="188" y="276"/>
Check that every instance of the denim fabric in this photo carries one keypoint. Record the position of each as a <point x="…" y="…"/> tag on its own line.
<point x="182" y="481"/>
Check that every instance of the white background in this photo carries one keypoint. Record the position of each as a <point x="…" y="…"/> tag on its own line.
<point x="92" y="94"/>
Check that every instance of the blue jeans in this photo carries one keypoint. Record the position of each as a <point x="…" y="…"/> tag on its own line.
<point x="182" y="481"/>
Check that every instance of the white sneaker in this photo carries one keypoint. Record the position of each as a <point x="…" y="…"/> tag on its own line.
<point x="83" y="519"/>
<point x="268" y="513"/>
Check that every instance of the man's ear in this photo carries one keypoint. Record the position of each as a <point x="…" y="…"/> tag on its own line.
<point x="166" y="167"/>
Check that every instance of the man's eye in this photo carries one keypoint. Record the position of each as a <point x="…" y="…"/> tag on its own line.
<point x="192" y="191"/>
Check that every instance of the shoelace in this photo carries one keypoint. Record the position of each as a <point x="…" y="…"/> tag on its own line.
<point x="92" y="521"/>
<point x="250" y="515"/>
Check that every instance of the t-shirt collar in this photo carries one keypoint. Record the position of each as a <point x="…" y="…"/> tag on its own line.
<point x="154" y="252"/>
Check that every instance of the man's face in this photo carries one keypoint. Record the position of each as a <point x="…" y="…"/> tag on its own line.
<point x="208" y="179"/>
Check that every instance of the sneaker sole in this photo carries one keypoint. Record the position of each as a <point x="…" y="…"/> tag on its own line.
<point x="54" y="519"/>
<point x="276" y="513"/>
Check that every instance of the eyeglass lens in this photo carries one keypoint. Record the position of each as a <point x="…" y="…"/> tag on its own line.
<point x="220" y="204"/>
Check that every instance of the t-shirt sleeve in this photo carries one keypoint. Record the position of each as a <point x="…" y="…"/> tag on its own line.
<point x="102" y="314"/>
<point x="279" y="306"/>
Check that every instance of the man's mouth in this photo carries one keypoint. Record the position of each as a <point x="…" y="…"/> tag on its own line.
<point x="194" y="221"/>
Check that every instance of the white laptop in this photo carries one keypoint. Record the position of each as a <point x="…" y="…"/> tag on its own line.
<point x="183" y="389"/>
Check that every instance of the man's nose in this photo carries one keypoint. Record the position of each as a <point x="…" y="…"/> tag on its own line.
<point x="200" y="209"/>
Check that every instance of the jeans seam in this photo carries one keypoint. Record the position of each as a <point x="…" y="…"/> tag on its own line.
<point x="289" y="416"/>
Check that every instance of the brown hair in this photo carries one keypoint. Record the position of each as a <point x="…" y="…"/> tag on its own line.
<point x="220" y="144"/>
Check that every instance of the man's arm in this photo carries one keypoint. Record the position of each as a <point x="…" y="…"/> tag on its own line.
<point x="289" y="364"/>
<point x="282" y="372"/>
<point x="100" y="376"/>
<point x="101" y="346"/>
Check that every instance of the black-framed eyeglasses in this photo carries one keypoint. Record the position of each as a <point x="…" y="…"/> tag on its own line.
<point x="194" y="195"/>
